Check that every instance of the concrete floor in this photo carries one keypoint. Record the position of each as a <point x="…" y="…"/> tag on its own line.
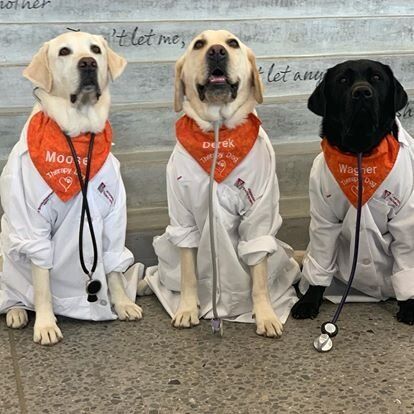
<point x="149" y="367"/>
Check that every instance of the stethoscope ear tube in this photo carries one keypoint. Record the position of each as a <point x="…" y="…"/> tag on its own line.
<point x="330" y="329"/>
<point x="93" y="286"/>
<point x="216" y="322"/>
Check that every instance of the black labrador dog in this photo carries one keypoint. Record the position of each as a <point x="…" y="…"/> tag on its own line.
<point x="357" y="101"/>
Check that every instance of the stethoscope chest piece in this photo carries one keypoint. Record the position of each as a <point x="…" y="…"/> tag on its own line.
<point x="93" y="286"/>
<point x="323" y="343"/>
<point x="329" y="328"/>
<point x="92" y="298"/>
<point x="217" y="326"/>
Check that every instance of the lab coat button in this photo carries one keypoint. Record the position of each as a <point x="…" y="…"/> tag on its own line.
<point x="103" y="302"/>
<point x="366" y="261"/>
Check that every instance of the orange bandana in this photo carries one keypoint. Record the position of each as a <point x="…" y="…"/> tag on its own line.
<point x="51" y="154"/>
<point x="234" y="144"/>
<point x="375" y="168"/>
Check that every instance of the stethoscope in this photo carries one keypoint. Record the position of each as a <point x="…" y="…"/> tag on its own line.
<point x="93" y="286"/>
<point x="216" y="322"/>
<point x="323" y="343"/>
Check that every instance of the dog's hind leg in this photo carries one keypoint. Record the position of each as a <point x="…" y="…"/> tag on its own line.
<point x="17" y="318"/>
<point x="187" y="313"/>
<point x="267" y="322"/>
<point x="46" y="331"/>
<point x="125" y="308"/>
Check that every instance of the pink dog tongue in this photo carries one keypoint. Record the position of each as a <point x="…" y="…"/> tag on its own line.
<point x="217" y="79"/>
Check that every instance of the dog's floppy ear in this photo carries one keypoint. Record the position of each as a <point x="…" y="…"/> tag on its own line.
<point x="399" y="95"/>
<point x="38" y="71"/>
<point x="179" y="90"/>
<point x="317" y="101"/>
<point x="116" y="63"/>
<point x="257" y="81"/>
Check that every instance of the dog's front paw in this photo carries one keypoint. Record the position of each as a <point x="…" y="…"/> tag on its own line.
<point x="267" y="323"/>
<point x="186" y="315"/>
<point x="406" y="312"/>
<point x="305" y="310"/>
<point x="308" y="305"/>
<point x="46" y="331"/>
<point x="17" y="318"/>
<point x="128" y="311"/>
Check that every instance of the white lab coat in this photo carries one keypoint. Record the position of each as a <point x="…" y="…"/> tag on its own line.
<point x="245" y="234"/>
<point x="38" y="227"/>
<point x="385" y="266"/>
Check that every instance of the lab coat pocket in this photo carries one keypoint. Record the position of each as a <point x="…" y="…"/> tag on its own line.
<point x="104" y="199"/>
<point x="234" y="201"/>
<point x="380" y="212"/>
<point x="230" y="211"/>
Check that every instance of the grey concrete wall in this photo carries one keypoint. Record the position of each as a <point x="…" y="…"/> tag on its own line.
<point x="294" y="40"/>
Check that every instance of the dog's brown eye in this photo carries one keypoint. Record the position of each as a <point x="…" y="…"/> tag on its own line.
<point x="233" y="43"/>
<point x="376" y="77"/>
<point x="343" y="80"/>
<point x="96" y="49"/>
<point x="199" y="44"/>
<point x="64" y="51"/>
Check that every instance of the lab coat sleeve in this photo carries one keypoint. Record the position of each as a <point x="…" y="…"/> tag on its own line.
<point x="116" y="257"/>
<point x="401" y="227"/>
<point x="183" y="230"/>
<point x="319" y="265"/>
<point x="28" y="232"/>
<point x="261" y="222"/>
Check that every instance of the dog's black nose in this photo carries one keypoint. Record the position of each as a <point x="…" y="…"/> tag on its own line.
<point x="217" y="53"/>
<point x="362" y="92"/>
<point x="87" y="63"/>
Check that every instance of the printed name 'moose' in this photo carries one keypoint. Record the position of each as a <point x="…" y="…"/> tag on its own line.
<point x="52" y="156"/>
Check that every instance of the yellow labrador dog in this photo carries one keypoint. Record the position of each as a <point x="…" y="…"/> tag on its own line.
<point x="217" y="80"/>
<point x="42" y="201"/>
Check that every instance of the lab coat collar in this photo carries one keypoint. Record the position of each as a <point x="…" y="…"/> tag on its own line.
<point x="403" y="136"/>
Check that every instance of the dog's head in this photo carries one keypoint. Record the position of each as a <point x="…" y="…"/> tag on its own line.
<point x="216" y="70"/>
<point x="358" y="100"/>
<point x="75" y="66"/>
